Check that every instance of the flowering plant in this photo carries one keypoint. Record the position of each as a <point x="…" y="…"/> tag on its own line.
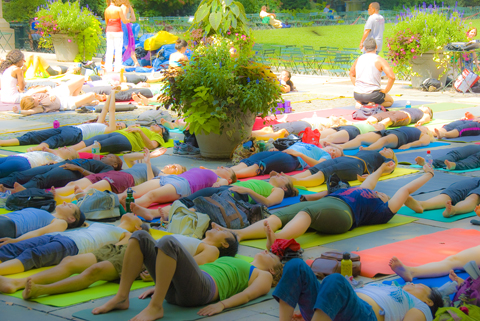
<point x="69" y="18"/>
<point x="424" y="29"/>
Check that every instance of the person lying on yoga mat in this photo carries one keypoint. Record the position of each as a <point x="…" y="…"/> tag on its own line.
<point x="68" y="135"/>
<point x="60" y="174"/>
<point x="458" y="128"/>
<point x="24" y="161"/>
<point x="348" y="168"/>
<point x="168" y="188"/>
<point x="458" y="198"/>
<point x="254" y="191"/>
<point x="105" y="264"/>
<point x="460" y="158"/>
<point x="132" y="139"/>
<point x="50" y="249"/>
<point x="228" y="282"/>
<point x="444" y="267"/>
<point x="335" y="299"/>
<point x="399" y="138"/>
<point x="338" y="212"/>
<point x="297" y="156"/>
<point x="403" y="117"/>
<point x="343" y="134"/>
<point x="32" y="222"/>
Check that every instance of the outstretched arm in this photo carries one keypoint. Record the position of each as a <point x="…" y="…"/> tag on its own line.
<point x="371" y="181"/>
<point x="402" y="194"/>
<point x="425" y="119"/>
<point x="275" y="197"/>
<point x="55" y="226"/>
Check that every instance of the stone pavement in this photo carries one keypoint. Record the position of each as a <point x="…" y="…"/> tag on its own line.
<point x="316" y="92"/>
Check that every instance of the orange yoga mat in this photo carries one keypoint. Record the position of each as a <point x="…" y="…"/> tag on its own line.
<point x="418" y="251"/>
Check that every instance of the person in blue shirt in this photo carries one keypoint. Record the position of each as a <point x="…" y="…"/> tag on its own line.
<point x="338" y="212"/>
<point x="296" y="157"/>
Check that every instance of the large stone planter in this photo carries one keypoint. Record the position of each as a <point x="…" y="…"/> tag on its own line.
<point x="221" y="146"/>
<point x="65" y="50"/>
<point x="426" y="67"/>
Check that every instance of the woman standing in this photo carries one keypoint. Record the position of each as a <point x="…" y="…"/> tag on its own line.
<point x="114" y="17"/>
<point x="471" y="57"/>
<point x="128" y="37"/>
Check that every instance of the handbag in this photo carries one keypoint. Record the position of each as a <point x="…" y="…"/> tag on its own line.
<point x="310" y="136"/>
<point x="100" y="206"/>
<point x="330" y="262"/>
<point x="465" y="80"/>
<point x="183" y="221"/>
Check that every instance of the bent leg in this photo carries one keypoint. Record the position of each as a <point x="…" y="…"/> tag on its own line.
<point x="390" y="141"/>
<point x="163" y="194"/>
<point x="388" y="101"/>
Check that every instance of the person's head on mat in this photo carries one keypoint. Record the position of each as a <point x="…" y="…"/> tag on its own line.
<point x="120" y="125"/>
<point x="174" y="169"/>
<point x="431" y="296"/>
<point x="160" y="129"/>
<point x="389" y="154"/>
<point x="370" y="45"/>
<point x="29" y="102"/>
<point x="133" y="222"/>
<point x="225" y="241"/>
<point x="267" y="261"/>
<point x="284" y="182"/>
<point x="14" y="57"/>
<point x="227" y="173"/>
<point x="334" y="151"/>
<point x="67" y="153"/>
<point x="113" y="160"/>
<point x="71" y="214"/>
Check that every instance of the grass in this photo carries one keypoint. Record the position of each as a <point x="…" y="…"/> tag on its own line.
<point x="341" y="36"/>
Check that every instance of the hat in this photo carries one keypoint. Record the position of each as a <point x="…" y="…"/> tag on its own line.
<point x="81" y="219"/>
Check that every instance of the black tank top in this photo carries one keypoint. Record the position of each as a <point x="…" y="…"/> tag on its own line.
<point x="372" y="158"/>
<point x="415" y="114"/>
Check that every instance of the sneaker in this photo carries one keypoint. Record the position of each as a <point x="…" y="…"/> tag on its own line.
<point x="187" y="149"/>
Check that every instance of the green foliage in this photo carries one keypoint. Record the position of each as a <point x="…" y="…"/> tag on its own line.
<point x="21" y="10"/>
<point x="220" y="17"/>
<point x="422" y="32"/>
<point x="296" y="4"/>
<point x="155" y="8"/>
<point x="96" y="6"/>
<point x="254" y="6"/>
<point x="216" y="90"/>
<point x="69" y="18"/>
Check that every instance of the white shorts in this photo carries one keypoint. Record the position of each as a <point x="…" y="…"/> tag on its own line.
<point x="62" y="92"/>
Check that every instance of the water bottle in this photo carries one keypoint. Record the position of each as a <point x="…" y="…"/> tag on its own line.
<point x="56" y="123"/>
<point x="96" y="150"/>
<point x="409" y="105"/>
<point x="346" y="266"/>
<point x="429" y="159"/>
<point x="129" y="199"/>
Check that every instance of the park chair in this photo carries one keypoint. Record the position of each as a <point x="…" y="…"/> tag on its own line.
<point x="308" y="50"/>
<point x="341" y="66"/>
<point x="297" y="63"/>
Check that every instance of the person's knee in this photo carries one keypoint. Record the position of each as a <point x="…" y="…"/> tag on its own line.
<point x="93" y="273"/>
<point x="142" y="236"/>
<point x="168" y="244"/>
<point x="294" y="267"/>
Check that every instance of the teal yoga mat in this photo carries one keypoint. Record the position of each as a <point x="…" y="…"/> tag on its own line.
<point x="434" y="215"/>
<point x="447" y="170"/>
<point x="172" y="312"/>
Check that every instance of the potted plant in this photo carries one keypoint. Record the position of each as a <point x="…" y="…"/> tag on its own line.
<point x="74" y="31"/>
<point x="416" y="48"/>
<point x="221" y="90"/>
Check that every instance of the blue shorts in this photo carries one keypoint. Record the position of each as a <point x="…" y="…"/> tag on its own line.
<point x="181" y="185"/>
<point x="464" y="127"/>
<point x="461" y="190"/>
<point x="273" y="161"/>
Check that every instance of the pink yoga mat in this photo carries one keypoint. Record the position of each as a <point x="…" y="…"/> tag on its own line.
<point x="418" y="251"/>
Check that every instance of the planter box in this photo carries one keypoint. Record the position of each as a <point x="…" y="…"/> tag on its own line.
<point x="425" y="67"/>
<point x="65" y="51"/>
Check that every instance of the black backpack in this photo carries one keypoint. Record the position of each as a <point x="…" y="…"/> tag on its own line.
<point x="31" y="197"/>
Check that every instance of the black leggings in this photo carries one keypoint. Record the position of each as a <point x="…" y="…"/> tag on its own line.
<point x="7" y="227"/>
<point x="110" y="143"/>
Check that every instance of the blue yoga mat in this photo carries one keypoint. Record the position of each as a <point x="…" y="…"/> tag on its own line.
<point x="409" y="157"/>
<point x="463" y="139"/>
<point x="432" y="145"/>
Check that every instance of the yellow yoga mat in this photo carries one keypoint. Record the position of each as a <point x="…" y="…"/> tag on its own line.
<point x="97" y="290"/>
<point x="311" y="239"/>
<point x="397" y="173"/>
<point x="4" y="211"/>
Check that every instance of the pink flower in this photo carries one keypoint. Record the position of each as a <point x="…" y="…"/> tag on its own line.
<point x="228" y="32"/>
<point x="54" y="28"/>
<point x="397" y="54"/>
<point x="418" y="46"/>
<point x="36" y="18"/>
<point x="414" y="57"/>
<point x="69" y="40"/>
<point x="412" y="50"/>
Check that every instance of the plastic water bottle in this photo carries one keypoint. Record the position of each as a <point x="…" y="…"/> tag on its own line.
<point x="409" y="105"/>
<point x="346" y="266"/>
<point x="429" y="158"/>
<point x="96" y="150"/>
<point x="56" y="123"/>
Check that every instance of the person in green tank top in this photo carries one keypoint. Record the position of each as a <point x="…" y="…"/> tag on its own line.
<point x="228" y="282"/>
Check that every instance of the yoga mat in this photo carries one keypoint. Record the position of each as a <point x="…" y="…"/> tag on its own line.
<point x="7" y="106"/>
<point x="451" y="171"/>
<point x="431" y="145"/>
<point x="172" y="312"/>
<point x="419" y="250"/>
<point x="4" y="211"/>
<point x="464" y="139"/>
<point x="408" y="158"/>
<point x="311" y="239"/>
<point x="267" y="176"/>
<point x="291" y="200"/>
<point x="398" y="104"/>
<point x="448" y="106"/>
<point x="397" y="173"/>
<point x="431" y="282"/>
<point x="434" y="215"/>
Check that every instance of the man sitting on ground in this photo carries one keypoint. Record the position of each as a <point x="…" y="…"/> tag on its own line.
<point x="366" y="74"/>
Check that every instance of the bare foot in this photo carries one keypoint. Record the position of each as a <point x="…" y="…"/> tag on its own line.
<point x="438" y="133"/>
<point x="477" y="210"/>
<point x="402" y="271"/>
<point x="8" y="285"/>
<point x="414" y="205"/>
<point x="38" y="147"/>
<point x="150" y="313"/>
<point x="454" y="277"/>
<point x="18" y="188"/>
<point x="144" y="99"/>
<point x="164" y="212"/>
<point x="450" y="165"/>
<point x="136" y="98"/>
<point x="3" y="189"/>
<point x="361" y="147"/>
<point x="122" y="198"/>
<point x="31" y="290"/>
<point x="449" y="210"/>
<point x="146" y="213"/>
<point x="270" y="235"/>
<point x="79" y="193"/>
<point x="158" y="152"/>
<point x="115" y="303"/>
<point x="420" y="160"/>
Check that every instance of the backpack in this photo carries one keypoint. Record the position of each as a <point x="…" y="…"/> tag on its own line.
<point x="222" y="209"/>
<point x="468" y="292"/>
<point x="363" y="113"/>
<point x="100" y="206"/>
<point x="185" y="222"/>
<point x="284" y="143"/>
<point x="31" y="197"/>
<point x="244" y="150"/>
<point x="310" y="136"/>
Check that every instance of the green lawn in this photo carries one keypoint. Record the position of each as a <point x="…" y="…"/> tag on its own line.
<point x="342" y="36"/>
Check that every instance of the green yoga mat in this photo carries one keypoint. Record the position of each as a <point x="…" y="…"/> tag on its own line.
<point x="446" y="170"/>
<point x="448" y="106"/>
<point x="172" y="312"/>
<point x="4" y="211"/>
<point x="311" y="239"/>
<point x="434" y="215"/>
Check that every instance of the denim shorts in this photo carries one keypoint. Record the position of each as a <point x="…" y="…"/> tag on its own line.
<point x="180" y="184"/>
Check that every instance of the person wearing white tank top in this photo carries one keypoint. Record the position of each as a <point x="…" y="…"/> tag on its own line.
<point x="365" y="75"/>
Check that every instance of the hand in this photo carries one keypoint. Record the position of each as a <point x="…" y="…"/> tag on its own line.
<point x="388" y="167"/>
<point x="146" y="155"/>
<point x="383" y="91"/>
<point x="146" y="277"/>
<point x="212" y="309"/>
<point x="291" y="152"/>
<point x="71" y="167"/>
<point x="362" y="178"/>
<point x="418" y="123"/>
<point x="6" y="240"/>
<point x="133" y="129"/>
<point x="406" y="146"/>
<point x="146" y="294"/>
<point x="239" y="189"/>
<point x="361" y="46"/>
<point x="52" y="98"/>
<point x="428" y="169"/>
